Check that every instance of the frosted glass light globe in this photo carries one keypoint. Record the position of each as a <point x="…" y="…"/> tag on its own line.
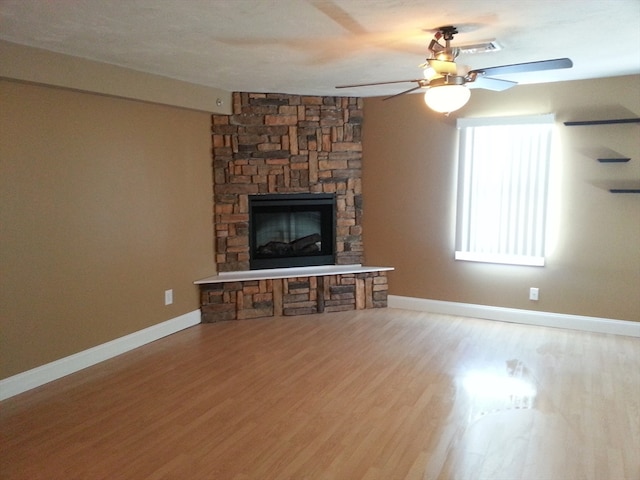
<point x="447" y="98"/>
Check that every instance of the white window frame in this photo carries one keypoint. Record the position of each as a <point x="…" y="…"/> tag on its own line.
<point x="503" y="189"/>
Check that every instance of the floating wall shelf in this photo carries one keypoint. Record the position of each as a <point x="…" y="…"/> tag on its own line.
<point x="613" y="160"/>
<point x="624" y="190"/>
<point x="602" y="122"/>
<point x="615" y="121"/>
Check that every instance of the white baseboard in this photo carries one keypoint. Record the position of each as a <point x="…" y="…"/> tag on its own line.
<point x="514" y="315"/>
<point x="59" y="368"/>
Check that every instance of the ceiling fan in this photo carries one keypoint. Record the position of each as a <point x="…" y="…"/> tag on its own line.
<point x="446" y="90"/>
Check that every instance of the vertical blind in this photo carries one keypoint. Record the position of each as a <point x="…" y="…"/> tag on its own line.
<point x="503" y="189"/>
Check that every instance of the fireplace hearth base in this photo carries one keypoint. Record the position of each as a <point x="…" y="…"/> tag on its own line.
<point x="285" y="292"/>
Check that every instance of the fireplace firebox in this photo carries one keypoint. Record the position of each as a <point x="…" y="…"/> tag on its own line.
<point x="291" y="230"/>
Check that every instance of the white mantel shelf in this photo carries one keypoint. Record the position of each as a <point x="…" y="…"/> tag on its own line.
<point x="272" y="273"/>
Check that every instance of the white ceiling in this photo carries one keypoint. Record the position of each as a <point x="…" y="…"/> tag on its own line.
<point x="310" y="46"/>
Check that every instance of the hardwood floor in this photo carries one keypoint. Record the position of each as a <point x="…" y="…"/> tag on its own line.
<point x="375" y="394"/>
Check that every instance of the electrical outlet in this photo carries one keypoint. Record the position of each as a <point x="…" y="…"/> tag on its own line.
<point x="168" y="297"/>
<point x="533" y="293"/>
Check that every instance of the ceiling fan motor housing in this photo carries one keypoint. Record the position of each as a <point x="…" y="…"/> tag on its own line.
<point x="447" y="80"/>
<point x="446" y="53"/>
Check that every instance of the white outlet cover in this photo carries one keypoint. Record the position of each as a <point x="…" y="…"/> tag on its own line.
<point x="168" y="297"/>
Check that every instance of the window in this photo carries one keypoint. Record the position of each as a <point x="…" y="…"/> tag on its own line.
<point x="503" y="189"/>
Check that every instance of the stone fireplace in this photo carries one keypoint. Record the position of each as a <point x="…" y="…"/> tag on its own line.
<point x="285" y="144"/>
<point x="287" y="147"/>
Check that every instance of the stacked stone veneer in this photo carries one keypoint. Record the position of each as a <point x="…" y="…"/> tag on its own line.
<point x="292" y="296"/>
<point x="275" y="143"/>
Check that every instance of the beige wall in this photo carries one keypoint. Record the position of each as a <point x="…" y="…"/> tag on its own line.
<point x="105" y="203"/>
<point x="409" y="175"/>
<point x="35" y="65"/>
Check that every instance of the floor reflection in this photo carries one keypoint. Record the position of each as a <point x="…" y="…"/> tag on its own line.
<point x="492" y="390"/>
<point x="504" y="436"/>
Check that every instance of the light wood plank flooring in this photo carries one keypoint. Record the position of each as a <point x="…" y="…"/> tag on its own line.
<point x="376" y="394"/>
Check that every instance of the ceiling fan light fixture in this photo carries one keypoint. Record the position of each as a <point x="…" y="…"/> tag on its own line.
<point x="447" y="98"/>
<point x="429" y="72"/>
<point x="445" y="83"/>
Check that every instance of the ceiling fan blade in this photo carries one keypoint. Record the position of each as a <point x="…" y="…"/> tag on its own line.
<point x="494" y="84"/>
<point x="402" y="93"/>
<point x="525" y="67"/>
<point x="380" y="83"/>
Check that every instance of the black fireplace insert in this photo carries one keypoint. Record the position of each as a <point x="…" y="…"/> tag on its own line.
<point x="291" y="230"/>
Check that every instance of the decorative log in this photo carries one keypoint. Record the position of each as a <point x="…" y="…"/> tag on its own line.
<point x="306" y="244"/>
<point x="301" y="246"/>
<point x="274" y="249"/>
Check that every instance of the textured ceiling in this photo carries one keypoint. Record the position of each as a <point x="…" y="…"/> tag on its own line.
<point x="310" y="46"/>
